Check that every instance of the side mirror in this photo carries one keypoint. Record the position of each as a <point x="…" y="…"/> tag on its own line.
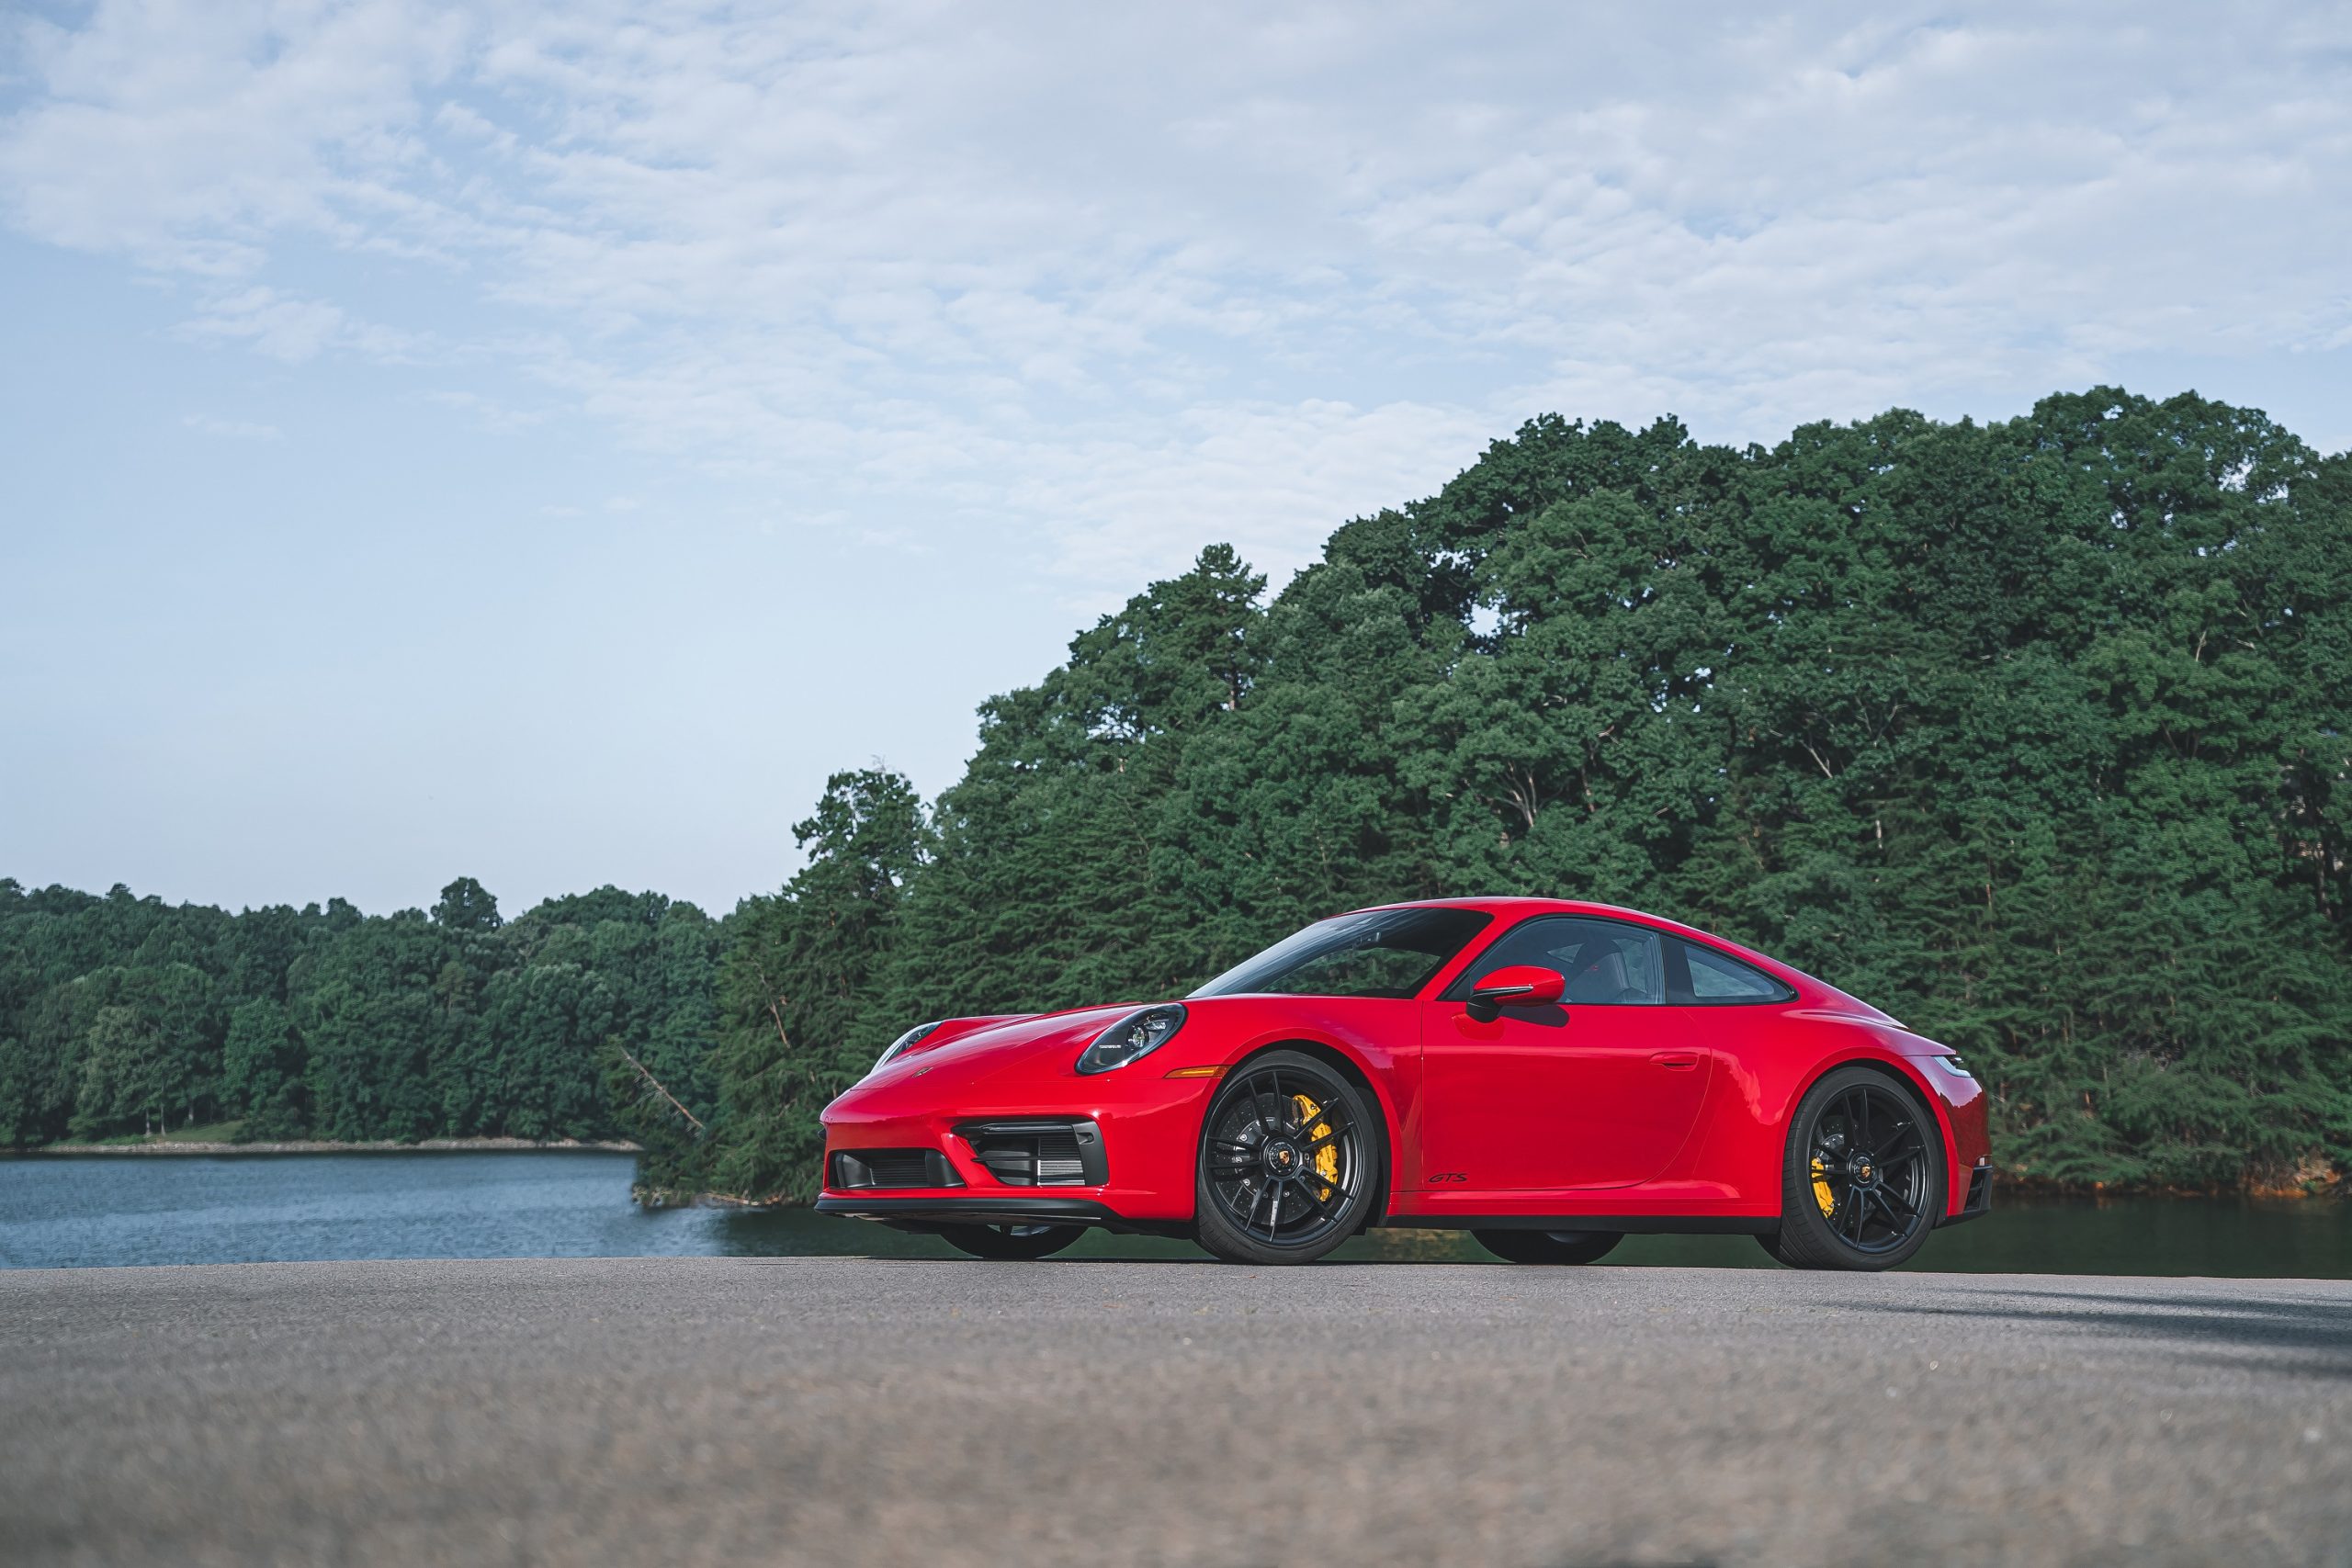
<point x="1515" y="985"/>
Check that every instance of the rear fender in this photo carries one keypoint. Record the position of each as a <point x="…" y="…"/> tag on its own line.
<point x="1912" y="1074"/>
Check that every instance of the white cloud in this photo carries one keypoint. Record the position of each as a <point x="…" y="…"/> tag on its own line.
<point x="232" y="429"/>
<point x="489" y="414"/>
<point x="292" y="330"/>
<point x="196" y="135"/>
<point x="1270" y="480"/>
<point x="1137" y="279"/>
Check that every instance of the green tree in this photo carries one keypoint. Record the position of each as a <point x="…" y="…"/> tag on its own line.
<point x="466" y="906"/>
<point x="151" y="1053"/>
<point x="798" y="988"/>
<point x="262" y="1063"/>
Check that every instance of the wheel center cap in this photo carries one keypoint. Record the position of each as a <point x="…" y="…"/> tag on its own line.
<point x="1282" y="1157"/>
<point x="1865" y="1172"/>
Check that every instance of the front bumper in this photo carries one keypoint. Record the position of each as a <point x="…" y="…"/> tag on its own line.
<point x="1977" y="1201"/>
<point x="927" y="1212"/>
<point x="1960" y="1104"/>
<point x="1027" y="1143"/>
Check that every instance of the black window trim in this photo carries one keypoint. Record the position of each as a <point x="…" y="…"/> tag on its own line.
<point x="1469" y="945"/>
<point x="1675" y="965"/>
<point x="1678" y="989"/>
<point x="1664" y="938"/>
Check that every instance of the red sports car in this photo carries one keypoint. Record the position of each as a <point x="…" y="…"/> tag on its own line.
<point x="1550" y="1076"/>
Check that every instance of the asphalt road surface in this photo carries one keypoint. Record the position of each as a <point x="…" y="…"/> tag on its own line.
<point x="853" y="1411"/>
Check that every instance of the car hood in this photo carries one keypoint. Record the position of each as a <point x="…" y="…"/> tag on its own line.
<point x="999" y="1044"/>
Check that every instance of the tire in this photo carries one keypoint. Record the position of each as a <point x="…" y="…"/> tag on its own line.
<point x="1549" y="1246"/>
<point x="1865" y="1141"/>
<point x="1010" y="1241"/>
<point x="1275" y="1181"/>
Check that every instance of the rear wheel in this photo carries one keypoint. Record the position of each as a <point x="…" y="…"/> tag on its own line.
<point x="1010" y="1241"/>
<point x="1864" y="1179"/>
<point x="1289" y="1162"/>
<point x="1549" y="1246"/>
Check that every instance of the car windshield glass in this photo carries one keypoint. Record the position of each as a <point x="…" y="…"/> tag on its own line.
<point x="1381" y="952"/>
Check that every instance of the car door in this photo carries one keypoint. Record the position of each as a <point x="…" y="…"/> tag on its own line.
<point x="1599" y="1089"/>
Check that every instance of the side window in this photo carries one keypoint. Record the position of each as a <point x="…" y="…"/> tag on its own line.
<point x="1717" y="978"/>
<point x="1605" y="962"/>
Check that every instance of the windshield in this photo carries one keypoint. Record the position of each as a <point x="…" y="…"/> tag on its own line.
<point x="1382" y="953"/>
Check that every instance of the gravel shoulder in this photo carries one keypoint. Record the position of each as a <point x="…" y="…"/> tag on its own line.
<point x="862" y="1411"/>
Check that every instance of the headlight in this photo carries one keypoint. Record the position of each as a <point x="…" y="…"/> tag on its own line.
<point x="899" y="1044"/>
<point x="1132" y="1037"/>
<point x="1955" y="1066"/>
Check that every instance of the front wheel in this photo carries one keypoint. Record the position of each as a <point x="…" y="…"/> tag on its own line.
<point x="1010" y="1241"/>
<point x="1863" y="1179"/>
<point x="1549" y="1246"/>
<point x="1289" y="1162"/>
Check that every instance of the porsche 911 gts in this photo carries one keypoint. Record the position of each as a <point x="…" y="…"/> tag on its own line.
<point x="1550" y="1076"/>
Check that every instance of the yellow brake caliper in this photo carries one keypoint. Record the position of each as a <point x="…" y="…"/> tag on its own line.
<point x="1821" y="1193"/>
<point x="1327" y="1158"/>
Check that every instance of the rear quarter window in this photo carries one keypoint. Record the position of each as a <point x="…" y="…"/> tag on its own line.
<point x="1699" y="976"/>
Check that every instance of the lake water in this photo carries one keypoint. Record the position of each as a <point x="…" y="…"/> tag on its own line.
<point x="77" y="1212"/>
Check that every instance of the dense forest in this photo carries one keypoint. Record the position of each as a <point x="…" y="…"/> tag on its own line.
<point x="2031" y="732"/>
<point x="121" y="1015"/>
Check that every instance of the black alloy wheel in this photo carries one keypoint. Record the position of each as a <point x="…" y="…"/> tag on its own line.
<point x="1290" y="1160"/>
<point x="1549" y="1246"/>
<point x="1010" y="1241"/>
<point x="1863" y="1180"/>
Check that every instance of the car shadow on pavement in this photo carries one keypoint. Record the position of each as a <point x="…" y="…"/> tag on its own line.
<point x="2317" y="1334"/>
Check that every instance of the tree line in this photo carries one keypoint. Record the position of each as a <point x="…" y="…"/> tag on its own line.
<point x="2031" y="731"/>
<point x="123" y="1015"/>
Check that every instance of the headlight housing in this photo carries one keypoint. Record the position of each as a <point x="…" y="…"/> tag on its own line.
<point x="1955" y="1066"/>
<point x="901" y="1043"/>
<point x="1134" y="1037"/>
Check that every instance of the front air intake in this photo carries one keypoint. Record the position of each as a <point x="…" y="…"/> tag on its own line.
<point x="1041" y="1151"/>
<point x="893" y="1167"/>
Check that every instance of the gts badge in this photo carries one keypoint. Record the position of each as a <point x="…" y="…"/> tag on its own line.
<point x="1442" y="1177"/>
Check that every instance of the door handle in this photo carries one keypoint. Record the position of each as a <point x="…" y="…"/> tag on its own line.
<point x="1676" y="1061"/>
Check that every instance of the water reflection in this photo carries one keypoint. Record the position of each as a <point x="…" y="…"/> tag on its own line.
<point x="2227" y="1237"/>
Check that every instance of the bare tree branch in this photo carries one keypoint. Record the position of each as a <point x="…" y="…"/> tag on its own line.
<point x="655" y="1085"/>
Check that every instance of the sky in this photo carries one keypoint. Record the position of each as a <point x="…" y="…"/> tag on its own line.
<point x="540" y="442"/>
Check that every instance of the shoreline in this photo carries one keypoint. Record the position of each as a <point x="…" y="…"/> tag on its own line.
<point x="322" y="1146"/>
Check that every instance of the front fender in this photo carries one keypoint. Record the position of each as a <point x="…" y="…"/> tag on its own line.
<point x="1376" y="1042"/>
